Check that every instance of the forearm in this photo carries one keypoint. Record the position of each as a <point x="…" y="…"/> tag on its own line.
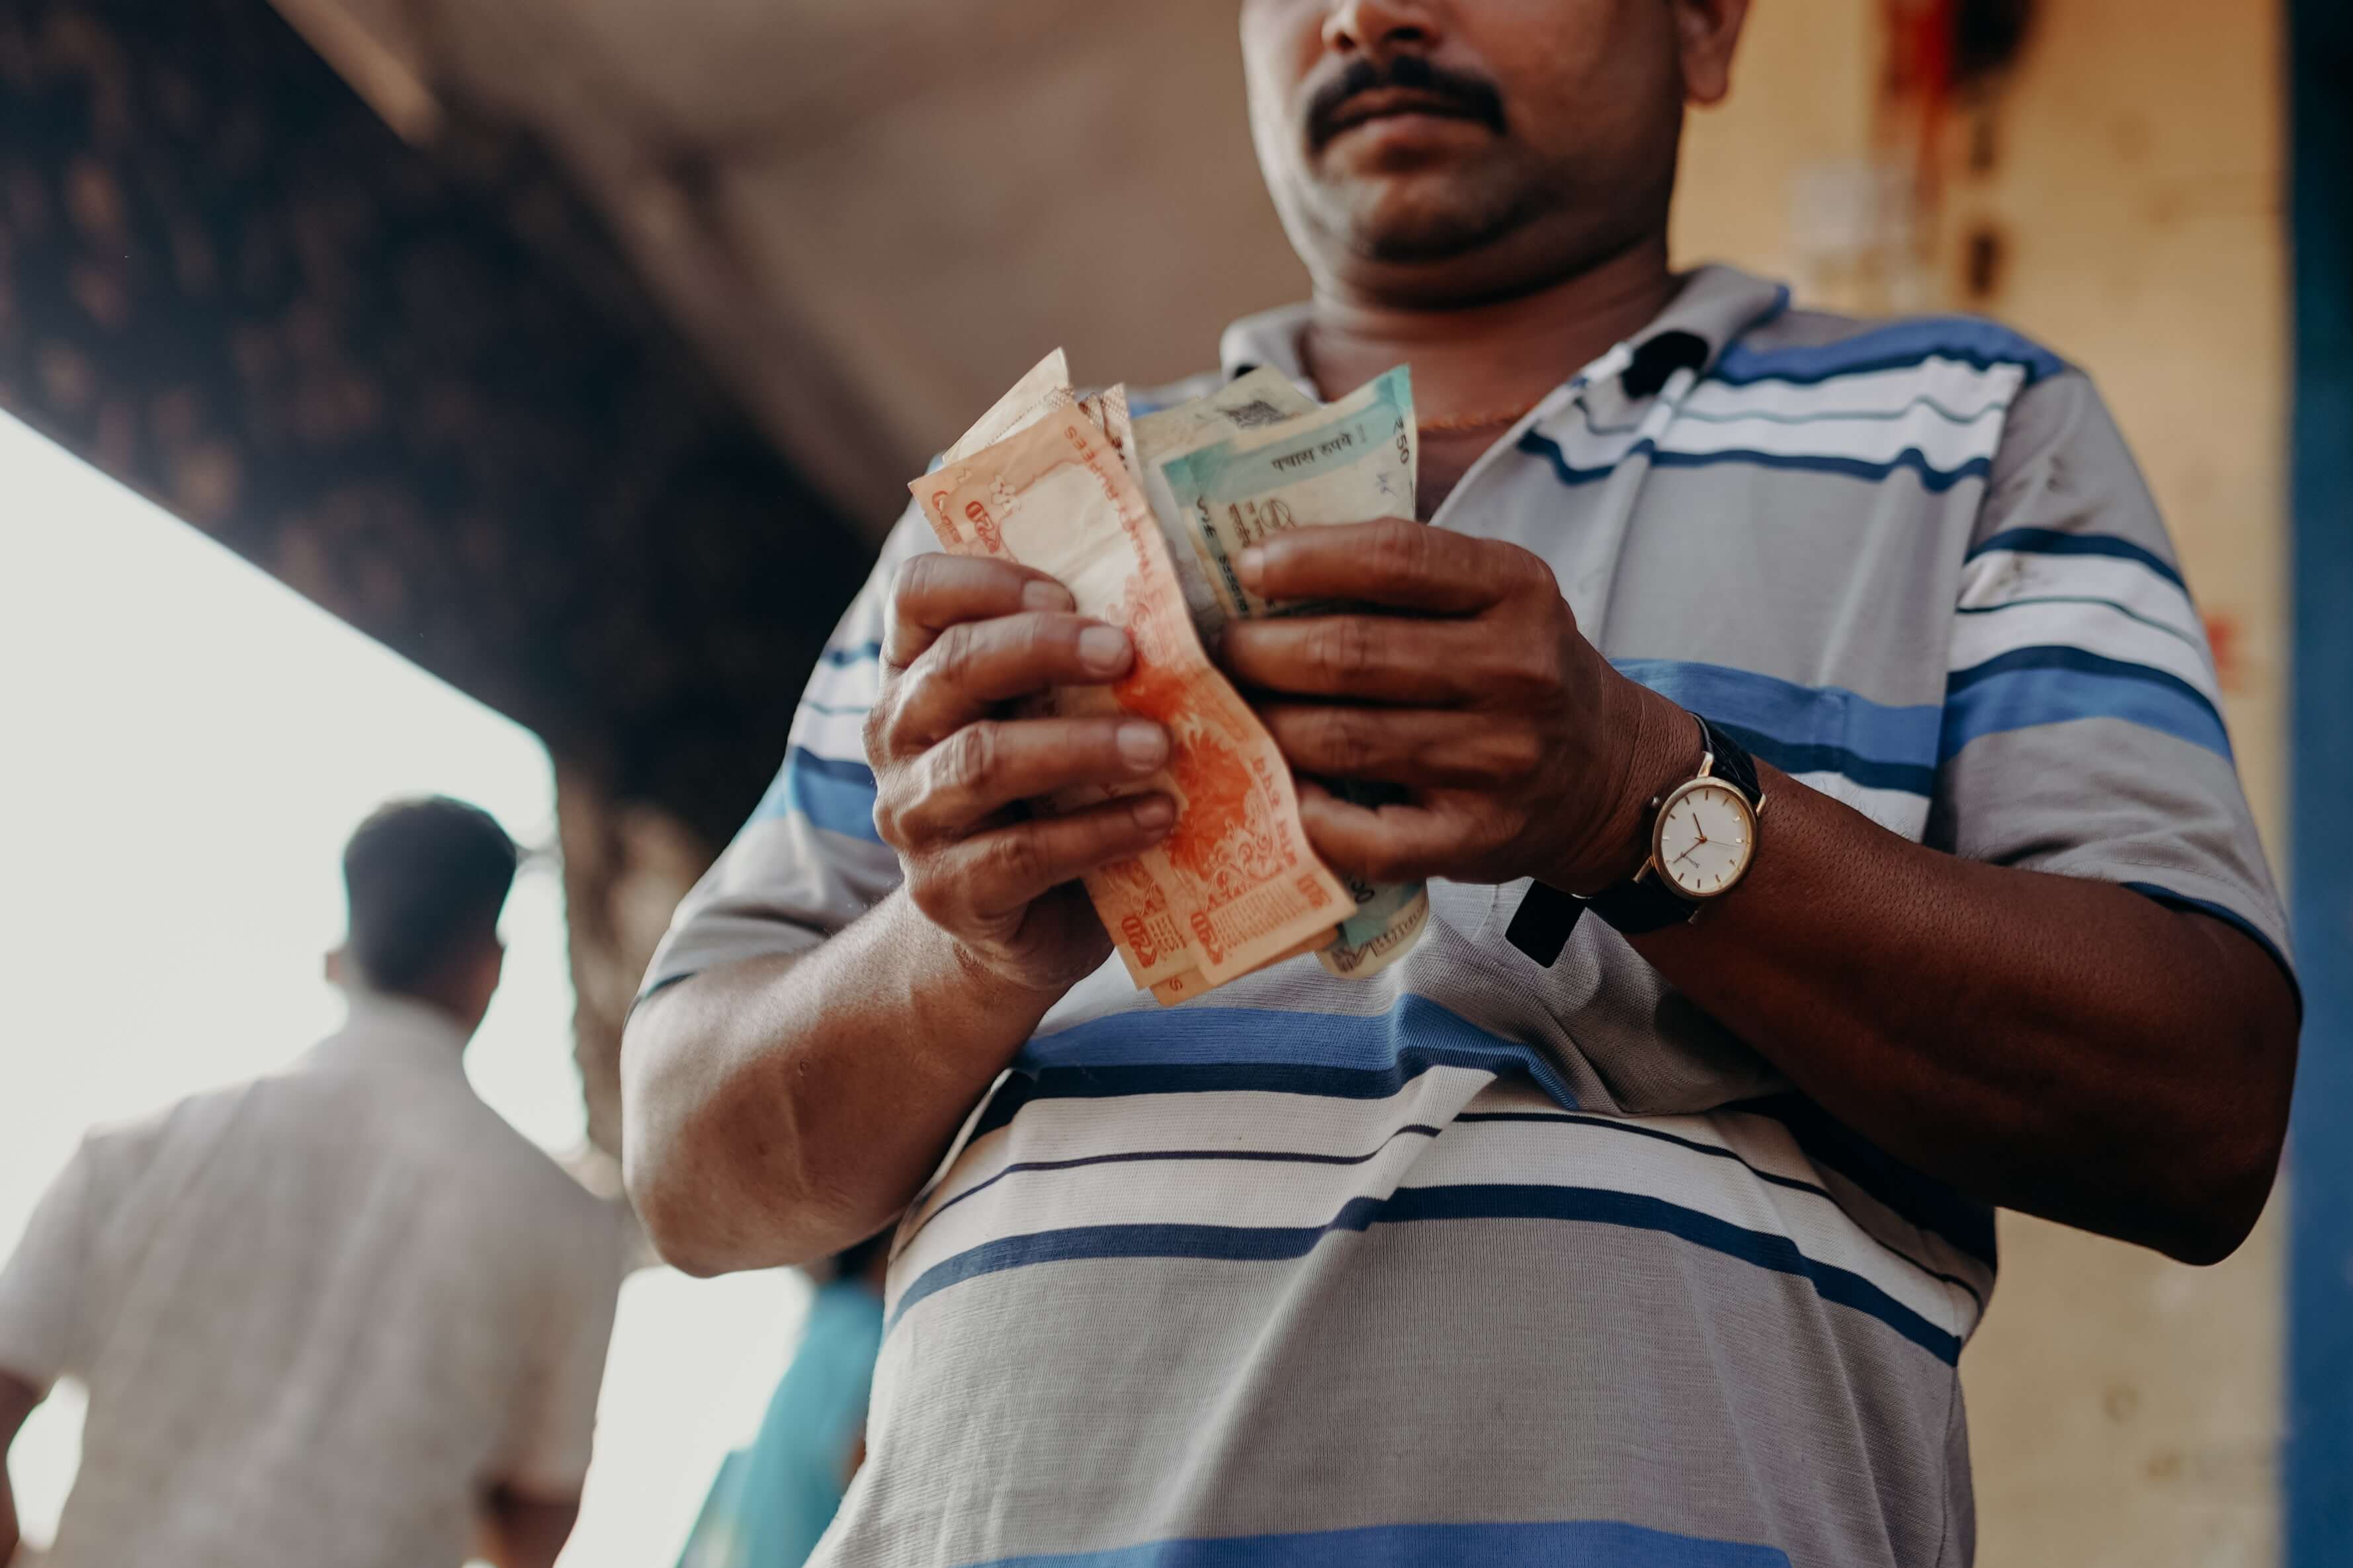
<point x="778" y="1110"/>
<point x="2056" y="1044"/>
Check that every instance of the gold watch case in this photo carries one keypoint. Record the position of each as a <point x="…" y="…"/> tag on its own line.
<point x="1707" y="782"/>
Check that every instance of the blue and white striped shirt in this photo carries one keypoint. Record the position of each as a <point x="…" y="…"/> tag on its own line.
<point x="1484" y="1262"/>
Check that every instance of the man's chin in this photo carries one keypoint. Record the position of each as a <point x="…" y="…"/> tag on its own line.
<point x="1422" y="218"/>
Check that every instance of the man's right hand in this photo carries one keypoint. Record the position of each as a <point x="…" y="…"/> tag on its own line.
<point x="965" y="639"/>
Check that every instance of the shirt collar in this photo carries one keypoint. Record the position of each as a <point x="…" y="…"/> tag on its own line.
<point x="1271" y="338"/>
<point x="1715" y="304"/>
<point x="384" y="1030"/>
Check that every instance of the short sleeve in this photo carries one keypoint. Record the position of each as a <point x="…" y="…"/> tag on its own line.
<point x="44" y="1288"/>
<point x="553" y="1431"/>
<point x="809" y="861"/>
<point x="2082" y="729"/>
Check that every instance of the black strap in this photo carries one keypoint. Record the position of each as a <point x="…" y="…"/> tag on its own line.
<point x="1546" y="917"/>
<point x="1540" y="927"/>
<point x="1733" y="763"/>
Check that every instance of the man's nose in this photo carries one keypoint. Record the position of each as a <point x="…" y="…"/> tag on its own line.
<point x="1378" y="29"/>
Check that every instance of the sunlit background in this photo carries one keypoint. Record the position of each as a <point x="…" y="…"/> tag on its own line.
<point x="593" y="340"/>
<point x="184" y="744"/>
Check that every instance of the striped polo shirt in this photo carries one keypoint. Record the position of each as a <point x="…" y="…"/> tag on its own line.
<point x="1483" y="1261"/>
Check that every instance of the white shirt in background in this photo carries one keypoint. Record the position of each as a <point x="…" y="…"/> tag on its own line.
<point x="317" y="1315"/>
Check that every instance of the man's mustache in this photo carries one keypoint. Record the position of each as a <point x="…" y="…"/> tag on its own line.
<point x="1474" y="98"/>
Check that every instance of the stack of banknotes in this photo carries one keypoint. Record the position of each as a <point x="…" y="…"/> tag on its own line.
<point x="1142" y="519"/>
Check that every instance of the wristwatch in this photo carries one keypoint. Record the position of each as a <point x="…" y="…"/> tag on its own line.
<point x="1703" y="839"/>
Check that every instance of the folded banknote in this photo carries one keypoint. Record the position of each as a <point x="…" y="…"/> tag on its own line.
<point x="1141" y="519"/>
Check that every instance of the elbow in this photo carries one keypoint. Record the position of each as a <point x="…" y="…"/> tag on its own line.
<point x="2229" y="1128"/>
<point x="2225" y="1160"/>
<point x="715" y="1192"/>
<point x="674" y="1224"/>
<point x="2234" y="1176"/>
<point x="668" y="1179"/>
<point x="697" y="1235"/>
<point x="697" y="1225"/>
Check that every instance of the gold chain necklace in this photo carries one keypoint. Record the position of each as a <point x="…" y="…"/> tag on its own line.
<point x="1453" y="425"/>
<point x="1458" y="423"/>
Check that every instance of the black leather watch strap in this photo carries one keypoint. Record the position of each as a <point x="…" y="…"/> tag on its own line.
<point x="1733" y="763"/>
<point x="1635" y="908"/>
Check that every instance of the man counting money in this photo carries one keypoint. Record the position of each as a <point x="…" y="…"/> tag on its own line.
<point x="1815" y="759"/>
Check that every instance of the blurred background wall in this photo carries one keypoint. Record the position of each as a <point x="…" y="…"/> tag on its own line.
<point x="579" y="348"/>
<point x="2114" y="188"/>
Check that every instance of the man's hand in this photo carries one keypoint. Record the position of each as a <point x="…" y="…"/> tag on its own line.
<point x="967" y="639"/>
<point x="1526" y="754"/>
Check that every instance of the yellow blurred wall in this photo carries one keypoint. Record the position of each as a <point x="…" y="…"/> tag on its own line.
<point x="2123" y="1410"/>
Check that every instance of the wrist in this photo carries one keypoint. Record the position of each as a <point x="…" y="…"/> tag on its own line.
<point x="943" y="964"/>
<point x="1663" y="751"/>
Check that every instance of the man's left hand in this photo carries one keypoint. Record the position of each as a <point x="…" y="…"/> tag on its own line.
<point x="1525" y="755"/>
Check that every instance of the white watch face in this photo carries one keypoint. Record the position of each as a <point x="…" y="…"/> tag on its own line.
<point x="1706" y="837"/>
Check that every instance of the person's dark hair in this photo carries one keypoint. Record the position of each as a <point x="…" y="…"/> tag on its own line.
<point x="425" y="880"/>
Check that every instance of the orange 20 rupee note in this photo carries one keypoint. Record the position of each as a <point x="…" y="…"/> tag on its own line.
<point x="1235" y="883"/>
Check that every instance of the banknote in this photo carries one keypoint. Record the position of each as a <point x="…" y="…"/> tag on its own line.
<point x="1107" y="412"/>
<point x="1388" y="920"/>
<point x="1253" y="401"/>
<point x="1352" y="462"/>
<point x="1235" y="884"/>
<point x="1265" y="396"/>
<point x="1046" y="388"/>
<point x="1184" y="987"/>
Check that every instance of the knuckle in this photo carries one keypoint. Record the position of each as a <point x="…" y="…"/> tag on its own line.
<point x="1015" y="860"/>
<point x="1529" y="669"/>
<point x="1400" y="552"/>
<point x="933" y="896"/>
<point x="1341" y="741"/>
<point x="889" y="821"/>
<point x="924" y="689"/>
<point x="912" y="584"/>
<point x="1518" y="751"/>
<point x="1345" y="648"/>
<point x="954" y="650"/>
<point x="1535" y="573"/>
<point x="877" y="732"/>
<point x="968" y="757"/>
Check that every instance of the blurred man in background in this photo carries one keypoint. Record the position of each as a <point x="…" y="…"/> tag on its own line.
<point x="344" y="1314"/>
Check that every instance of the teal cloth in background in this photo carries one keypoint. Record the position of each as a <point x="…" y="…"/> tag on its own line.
<point x="773" y="1500"/>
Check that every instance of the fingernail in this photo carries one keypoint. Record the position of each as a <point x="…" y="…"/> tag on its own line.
<point x="1103" y="648"/>
<point x="1249" y="565"/>
<point x="1143" y="744"/>
<point x="1047" y="598"/>
<point x="1154" y="811"/>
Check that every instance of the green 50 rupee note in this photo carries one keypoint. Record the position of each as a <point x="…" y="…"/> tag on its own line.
<point x="1351" y="462"/>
